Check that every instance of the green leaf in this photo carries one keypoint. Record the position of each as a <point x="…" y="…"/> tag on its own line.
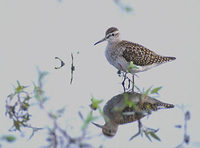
<point x="95" y="103"/>
<point x="147" y="135"/>
<point x="128" y="9"/>
<point x="155" y="90"/>
<point x="17" y="125"/>
<point x="148" y="106"/>
<point x="101" y="111"/>
<point x="128" y="102"/>
<point x="147" y="91"/>
<point x="89" y="119"/>
<point x="41" y="74"/>
<point x="131" y="65"/>
<point x="9" y="138"/>
<point x="53" y="115"/>
<point x="26" y="117"/>
<point x="154" y="136"/>
<point x="27" y="98"/>
<point x="19" y="87"/>
<point x="25" y="106"/>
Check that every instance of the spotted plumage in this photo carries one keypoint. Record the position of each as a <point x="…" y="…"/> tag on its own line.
<point x="154" y="107"/>
<point x="141" y="55"/>
<point x="120" y="53"/>
<point x="144" y="104"/>
<point x="117" y="112"/>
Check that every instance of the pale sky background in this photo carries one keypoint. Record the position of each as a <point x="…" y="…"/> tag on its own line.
<point x="33" y="32"/>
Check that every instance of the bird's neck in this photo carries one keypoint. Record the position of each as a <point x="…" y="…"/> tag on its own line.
<point x="114" y="41"/>
<point x="111" y="124"/>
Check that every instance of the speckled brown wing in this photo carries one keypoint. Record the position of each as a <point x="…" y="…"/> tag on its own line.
<point x="141" y="55"/>
<point x="145" y="106"/>
<point x="155" y="106"/>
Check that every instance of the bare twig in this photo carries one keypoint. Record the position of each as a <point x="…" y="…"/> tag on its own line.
<point x="186" y="137"/>
<point x="61" y="63"/>
<point x="72" y="68"/>
<point x="130" y="82"/>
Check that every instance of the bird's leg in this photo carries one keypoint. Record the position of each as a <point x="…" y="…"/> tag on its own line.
<point x="139" y="126"/>
<point x="129" y="83"/>
<point x="139" y="130"/>
<point x="124" y="75"/>
<point x="119" y="73"/>
<point x="123" y="82"/>
<point x="133" y="83"/>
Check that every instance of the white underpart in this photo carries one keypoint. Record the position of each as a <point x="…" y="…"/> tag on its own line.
<point x="121" y="64"/>
<point x="144" y="68"/>
<point x="161" y="107"/>
<point x="129" y="113"/>
<point x="134" y="112"/>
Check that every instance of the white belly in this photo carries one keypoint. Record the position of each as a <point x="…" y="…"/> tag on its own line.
<point x="113" y="58"/>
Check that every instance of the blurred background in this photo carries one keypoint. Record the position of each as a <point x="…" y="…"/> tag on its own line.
<point x="32" y="33"/>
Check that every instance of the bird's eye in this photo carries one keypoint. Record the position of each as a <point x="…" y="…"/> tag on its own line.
<point x="113" y="34"/>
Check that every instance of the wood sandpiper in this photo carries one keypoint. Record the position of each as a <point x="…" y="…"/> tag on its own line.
<point x="117" y="111"/>
<point x="121" y="53"/>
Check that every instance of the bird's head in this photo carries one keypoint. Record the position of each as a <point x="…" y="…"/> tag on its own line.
<point x="112" y="35"/>
<point x="108" y="129"/>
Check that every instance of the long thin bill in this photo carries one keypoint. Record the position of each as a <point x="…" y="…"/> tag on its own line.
<point x="100" y="126"/>
<point x="100" y="41"/>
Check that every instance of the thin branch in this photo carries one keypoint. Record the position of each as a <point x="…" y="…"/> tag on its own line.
<point x="72" y="68"/>
<point x="61" y="63"/>
<point x="186" y="137"/>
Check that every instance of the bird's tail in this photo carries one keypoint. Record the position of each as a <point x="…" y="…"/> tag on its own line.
<point x="154" y="105"/>
<point x="162" y="59"/>
<point x="166" y="59"/>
